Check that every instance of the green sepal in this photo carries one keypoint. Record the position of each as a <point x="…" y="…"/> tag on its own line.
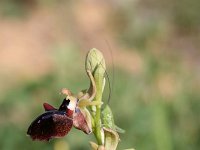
<point x="108" y="120"/>
<point x="119" y="130"/>
<point x="93" y="145"/>
<point x="111" y="139"/>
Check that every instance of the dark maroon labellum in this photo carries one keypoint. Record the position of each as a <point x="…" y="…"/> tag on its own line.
<point x="79" y="120"/>
<point x="53" y="123"/>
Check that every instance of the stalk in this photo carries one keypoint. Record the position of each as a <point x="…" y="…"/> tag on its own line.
<point x="96" y="64"/>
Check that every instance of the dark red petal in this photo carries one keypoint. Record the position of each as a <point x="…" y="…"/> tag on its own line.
<point x="48" y="107"/>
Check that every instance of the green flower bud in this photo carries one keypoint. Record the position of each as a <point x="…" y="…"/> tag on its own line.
<point x="95" y="63"/>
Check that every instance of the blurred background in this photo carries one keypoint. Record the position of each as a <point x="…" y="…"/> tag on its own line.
<point x="152" y="54"/>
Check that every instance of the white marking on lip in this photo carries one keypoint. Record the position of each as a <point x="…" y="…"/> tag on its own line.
<point x="72" y="103"/>
<point x="38" y="121"/>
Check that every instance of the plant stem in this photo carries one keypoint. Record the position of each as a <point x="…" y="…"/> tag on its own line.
<point x="96" y="64"/>
<point x="98" y="98"/>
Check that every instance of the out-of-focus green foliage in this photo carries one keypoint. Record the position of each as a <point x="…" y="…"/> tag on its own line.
<point x="158" y="106"/>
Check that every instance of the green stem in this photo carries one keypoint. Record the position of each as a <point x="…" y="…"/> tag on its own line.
<point x="96" y="64"/>
<point x="98" y="127"/>
<point x="97" y="120"/>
